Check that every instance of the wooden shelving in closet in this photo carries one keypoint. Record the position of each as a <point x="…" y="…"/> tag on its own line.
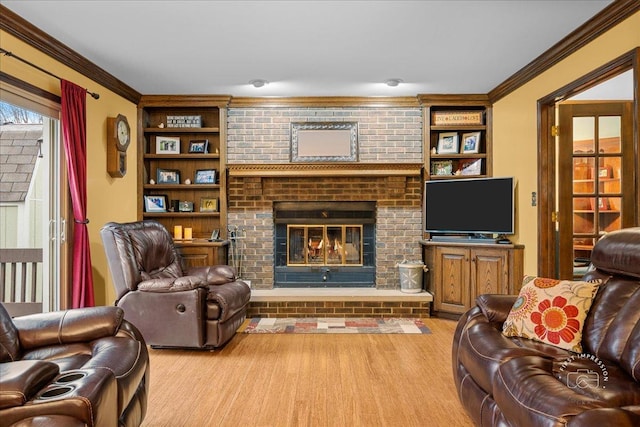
<point x="457" y="136"/>
<point x="181" y="168"/>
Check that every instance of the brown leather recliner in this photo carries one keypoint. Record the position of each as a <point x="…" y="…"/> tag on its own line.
<point x="199" y="308"/>
<point x="512" y="381"/>
<point x="80" y="367"/>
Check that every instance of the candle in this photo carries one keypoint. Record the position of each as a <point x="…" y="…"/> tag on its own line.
<point x="188" y="233"/>
<point x="177" y="232"/>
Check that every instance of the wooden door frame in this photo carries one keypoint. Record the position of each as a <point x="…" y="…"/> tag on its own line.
<point x="547" y="238"/>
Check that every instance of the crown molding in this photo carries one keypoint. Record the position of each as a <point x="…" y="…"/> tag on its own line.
<point x="608" y="18"/>
<point x="220" y="101"/>
<point x="324" y="101"/>
<point x="33" y="36"/>
<point x="458" y="99"/>
<point x="601" y="74"/>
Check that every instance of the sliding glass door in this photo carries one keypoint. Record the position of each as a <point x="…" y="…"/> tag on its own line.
<point x="32" y="205"/>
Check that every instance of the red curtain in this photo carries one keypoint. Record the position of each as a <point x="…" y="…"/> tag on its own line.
<point x="74" y="134"/>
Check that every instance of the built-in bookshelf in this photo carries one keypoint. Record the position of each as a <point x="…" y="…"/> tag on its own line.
<point x="182" y="163"/>
<point x="457" y="136"/>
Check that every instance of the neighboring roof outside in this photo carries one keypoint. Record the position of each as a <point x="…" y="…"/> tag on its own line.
<point x="18" y="154"/>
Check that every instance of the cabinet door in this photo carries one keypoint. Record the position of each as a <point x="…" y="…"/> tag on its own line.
<point x="201" y="256"/>
<point x="195" y="257"/>
<point x="452" y="280"/>
<point x="489" y="272"/>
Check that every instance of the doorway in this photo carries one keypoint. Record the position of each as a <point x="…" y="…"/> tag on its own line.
<point x="563" y="250"/>
<point x="595" y="186"/>
<point x="34" y="204"/>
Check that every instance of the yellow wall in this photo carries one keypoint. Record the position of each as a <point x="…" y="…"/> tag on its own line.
<point x="108" y="199"/>
<point x="515" y="123"/>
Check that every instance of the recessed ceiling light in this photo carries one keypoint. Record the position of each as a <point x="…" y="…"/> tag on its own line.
<point x="393" y="82"/>
<point x="258" y="82"/>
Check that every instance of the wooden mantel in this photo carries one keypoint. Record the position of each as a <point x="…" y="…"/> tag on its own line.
<point x="324" y="169"/>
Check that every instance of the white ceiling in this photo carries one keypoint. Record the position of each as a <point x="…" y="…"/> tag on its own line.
<point x="308" y="48"/>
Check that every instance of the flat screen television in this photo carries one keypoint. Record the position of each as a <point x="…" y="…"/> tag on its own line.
<point x="471" y="207"/>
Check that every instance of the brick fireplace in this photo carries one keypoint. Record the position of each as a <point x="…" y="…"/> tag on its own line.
<point x="387" y="174"/>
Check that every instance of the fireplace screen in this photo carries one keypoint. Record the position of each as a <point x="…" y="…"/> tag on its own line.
<point x="324" y="245"/>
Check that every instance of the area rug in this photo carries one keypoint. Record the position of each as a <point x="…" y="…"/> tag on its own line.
<point x="331" y="325"/>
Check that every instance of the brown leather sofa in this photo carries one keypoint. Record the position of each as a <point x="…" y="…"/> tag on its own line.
<point x="81" y="367"/>
<point x="512" y="381"/>
<point x="199" y="307"/>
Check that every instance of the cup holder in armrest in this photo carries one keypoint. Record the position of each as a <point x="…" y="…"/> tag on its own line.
<point x="61" y="386"/>
<point x="68" y="377"/>
<point x="56" y="391"/>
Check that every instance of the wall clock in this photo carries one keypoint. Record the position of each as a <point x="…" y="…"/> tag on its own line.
<point x="118" y="139"/>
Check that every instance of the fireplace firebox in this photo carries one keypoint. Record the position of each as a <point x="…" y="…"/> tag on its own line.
<point x="324" y="244"/>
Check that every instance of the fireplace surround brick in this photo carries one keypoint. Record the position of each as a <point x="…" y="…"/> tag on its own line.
<point x="259" y="135"/>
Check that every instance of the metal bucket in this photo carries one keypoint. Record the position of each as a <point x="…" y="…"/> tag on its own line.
<point x="411" y="274"/>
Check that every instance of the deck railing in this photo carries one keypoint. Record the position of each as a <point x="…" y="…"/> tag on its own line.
<point x="21" y="276"/>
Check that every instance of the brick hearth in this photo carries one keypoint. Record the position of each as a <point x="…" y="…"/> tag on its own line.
<point x="338" y="302"/>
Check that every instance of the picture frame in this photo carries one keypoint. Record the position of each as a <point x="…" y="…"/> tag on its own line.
<point x="167" y="145"/>
<point x="441" y="168"/>
<point x="168" y="176"/>
<point x="471" y="142"/>
<point x="205" y="176"/>
<point x="470" y="167"/>
<point x="448" y="143"/>
<point x="185" y="206"/>
<point x="215" y="235"/>
<point x="605" y="171"/>
<point x="155" y="203"/>
<point x="209" y="204"/>
<point x="324" y="142"/>
<point x="199" y="146"/>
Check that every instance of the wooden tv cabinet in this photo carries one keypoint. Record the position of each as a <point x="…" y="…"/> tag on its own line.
<point x="459" y="272"/>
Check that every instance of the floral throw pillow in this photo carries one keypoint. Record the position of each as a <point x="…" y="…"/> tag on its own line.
<point x="551" y="311"/>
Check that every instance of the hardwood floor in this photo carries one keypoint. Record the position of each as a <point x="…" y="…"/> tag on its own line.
<point x="310" y="380"/>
